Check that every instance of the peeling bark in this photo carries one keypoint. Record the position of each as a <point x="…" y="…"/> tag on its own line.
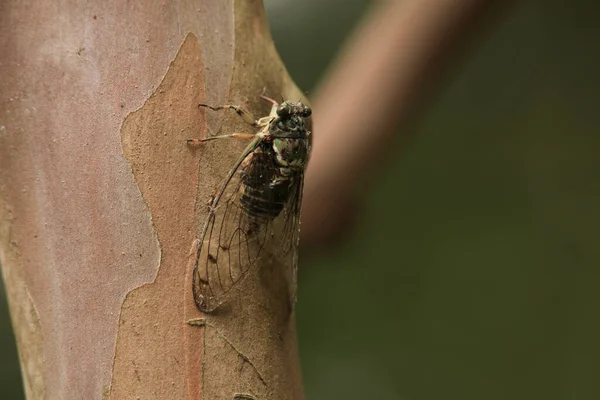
<point x="101" y="200"/>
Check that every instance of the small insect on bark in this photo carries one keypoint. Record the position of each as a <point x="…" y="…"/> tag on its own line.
<point x="264" y="186"/>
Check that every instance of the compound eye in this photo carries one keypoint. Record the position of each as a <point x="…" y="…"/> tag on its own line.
<point x="306" y="112"/>
<point x="283" y="111"/>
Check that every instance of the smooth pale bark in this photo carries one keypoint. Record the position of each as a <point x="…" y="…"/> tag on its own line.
<point x="101" y="199"/>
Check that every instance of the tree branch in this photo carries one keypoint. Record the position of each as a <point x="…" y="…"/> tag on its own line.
<point x="400" y="51"/>
<point x="101" y="199"/>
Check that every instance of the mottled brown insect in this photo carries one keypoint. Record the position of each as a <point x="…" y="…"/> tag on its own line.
<point x="258" y="203"/>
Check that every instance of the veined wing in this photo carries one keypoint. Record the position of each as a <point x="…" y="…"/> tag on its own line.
<point x="232" y="240"/>
<point x="288" y="231"/>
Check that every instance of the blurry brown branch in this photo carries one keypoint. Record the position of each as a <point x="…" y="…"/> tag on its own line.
<point x="401" y="50"/>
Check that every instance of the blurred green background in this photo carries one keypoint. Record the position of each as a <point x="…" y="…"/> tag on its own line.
<point x="473" y="274"/>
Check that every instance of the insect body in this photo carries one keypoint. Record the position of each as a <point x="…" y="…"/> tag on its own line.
<point x="257" y="205"/>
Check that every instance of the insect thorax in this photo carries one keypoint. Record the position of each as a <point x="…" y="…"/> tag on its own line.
<point x="290" y="142"/>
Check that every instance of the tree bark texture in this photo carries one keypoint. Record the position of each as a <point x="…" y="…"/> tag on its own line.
<point x="101" y="199"/>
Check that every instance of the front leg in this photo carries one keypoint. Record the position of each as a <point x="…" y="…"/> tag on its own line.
<point x="242" y="112"/>
<point x="197" y="142"/>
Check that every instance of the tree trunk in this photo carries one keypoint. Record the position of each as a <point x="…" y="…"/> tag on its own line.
<point x="101" y="199"/>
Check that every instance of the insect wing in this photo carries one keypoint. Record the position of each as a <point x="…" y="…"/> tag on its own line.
<point x="232" y="240"/>
<point x="287" y="231"/>
<point x="290" y="234"/>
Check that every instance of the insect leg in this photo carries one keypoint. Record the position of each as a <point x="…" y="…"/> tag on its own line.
<point x="265" y="120"/>
<point x="242" y="112"/>
<point x="196" y="142"/>
<point x="270" y="100"/>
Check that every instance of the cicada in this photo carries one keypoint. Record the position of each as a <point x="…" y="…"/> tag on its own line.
<point x="257" y="207"/>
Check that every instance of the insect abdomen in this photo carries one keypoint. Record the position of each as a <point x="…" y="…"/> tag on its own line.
<point x="265" y="189"/>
